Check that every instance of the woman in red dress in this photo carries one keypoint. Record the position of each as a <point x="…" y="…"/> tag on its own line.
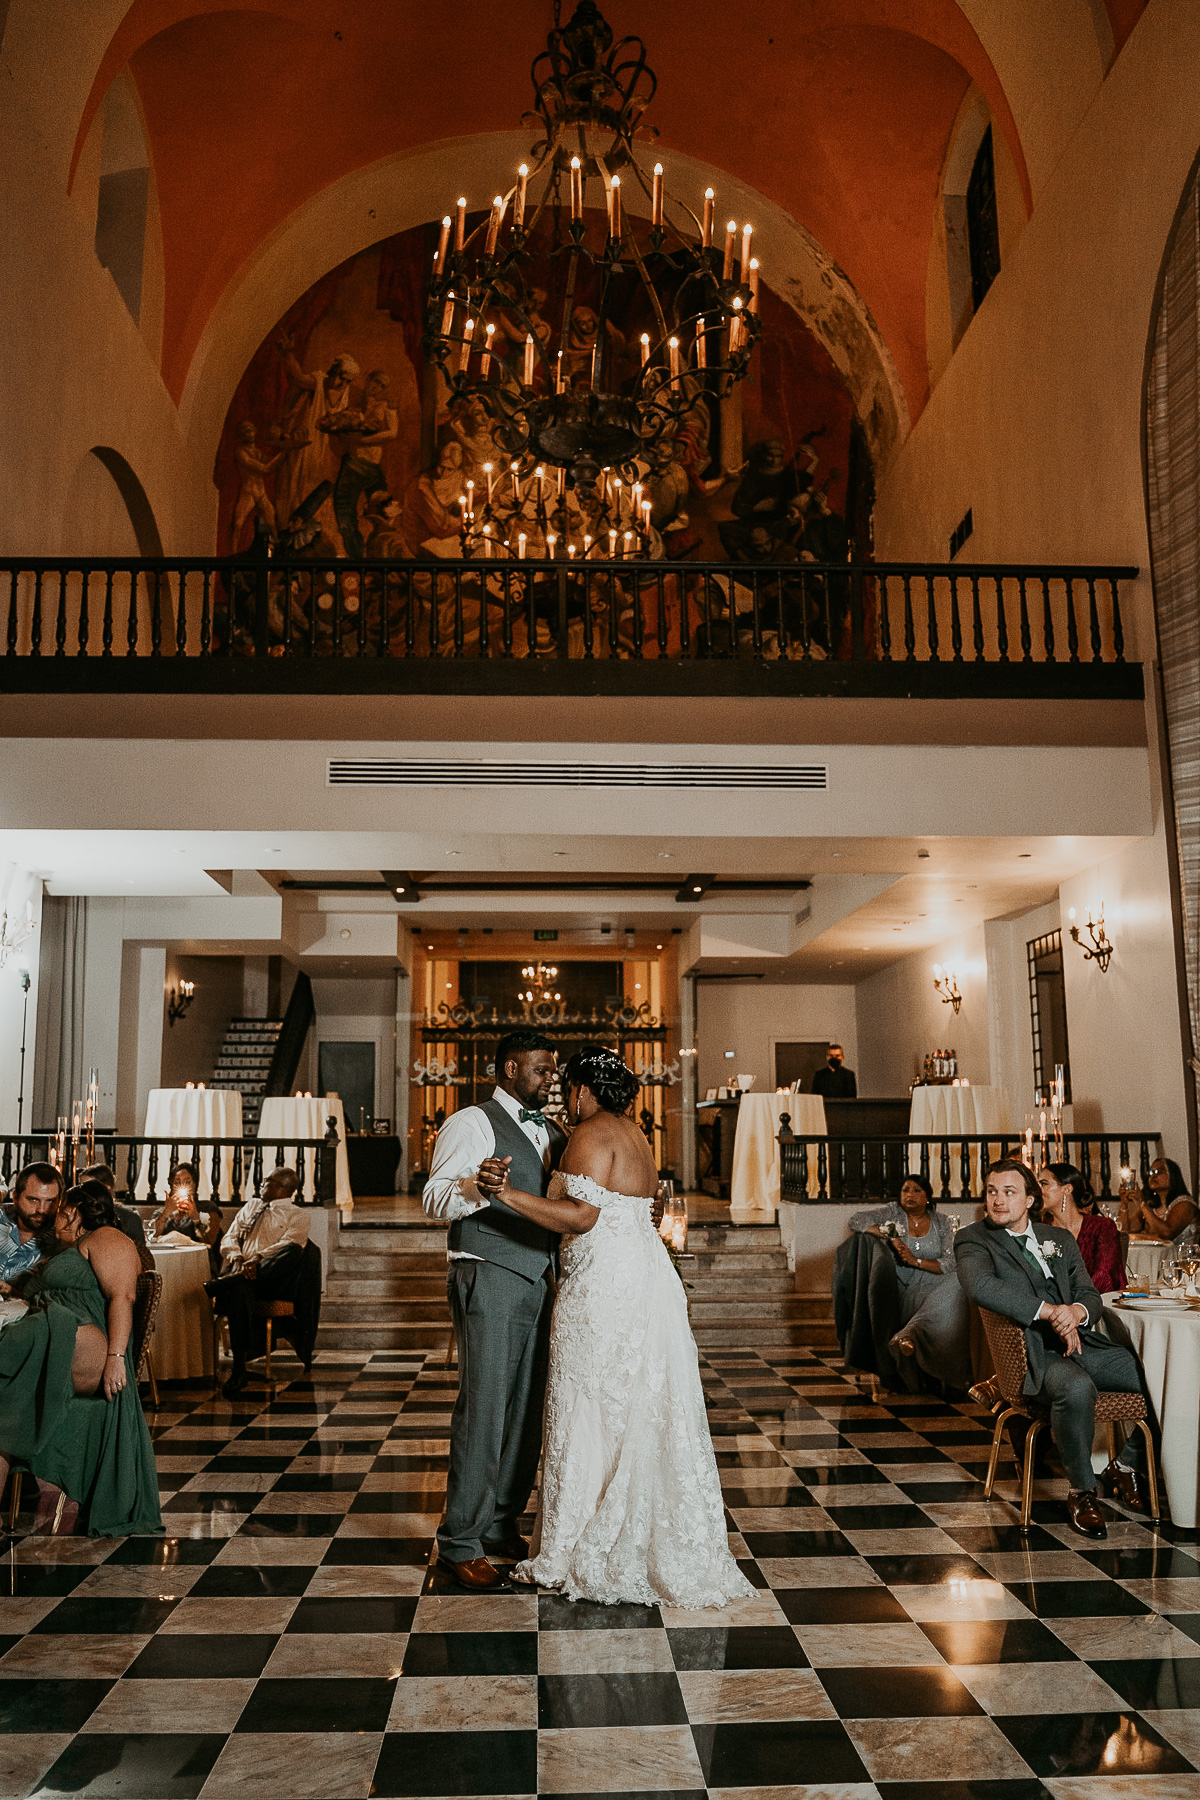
<point x="1068" y="1200"/>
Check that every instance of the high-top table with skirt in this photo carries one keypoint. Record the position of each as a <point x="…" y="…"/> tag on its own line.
<point x="180" y="1116"/>
<point x="956" y="1112"/>
<point x="182" y="1346"/>
<point x="754" y="1181"/>
<point x="285" y="1118"/>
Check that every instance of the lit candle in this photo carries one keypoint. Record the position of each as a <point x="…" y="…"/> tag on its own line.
<point x="614" y="224"/>
<point x="487" y="542"/>
<point x="493" y="230"/>
<point x="558" y="374"/>
<point x="448" y="313"/>
<point x="570" y="551"/>
<point x="612" y="545"/>
<point x="753" y="307"/>
<point x="519" y="205"/>
<point x="487" y="469"/>
<point x="646" y="517"/>
<point x="656" y="197"/>
<point x="673" y="347"/>
<point x="645" y="348"/>
<point x="439" y="257"/>
<point x="485" y="361"/>
<point x="727" y="265"/>
<point x="562" y="481"/>
<point x="540" y="472"/>
<point x="464" y="349"/>
<point x="706" y="229"/>
<point x="1029" y="1146"/>
<point x="617" y="496"/>
<point x="521" y="546"/>
<point x="636" y="498"/>
<point x="551" y="540"/>
<point x="471" y="499"/>
<point x="701" y="346"/>
<point x="735" y="328"/>
<point x="628" y="542"/>
<point x="587" y="544"/>
<point x="747" y="233"/>
<point x="516" y="480"/>
<point x="460" y="223"/>
<point x="576" y="191"/>
<point x="529" y="360"/>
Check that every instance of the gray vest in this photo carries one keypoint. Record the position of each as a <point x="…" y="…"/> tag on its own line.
<point x="498" y="1234"/>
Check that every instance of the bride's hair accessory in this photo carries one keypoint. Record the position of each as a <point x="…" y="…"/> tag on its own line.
<point x="602" y="1071"/>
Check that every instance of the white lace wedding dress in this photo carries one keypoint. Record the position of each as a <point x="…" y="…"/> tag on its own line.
<point x="630" y="1506"/>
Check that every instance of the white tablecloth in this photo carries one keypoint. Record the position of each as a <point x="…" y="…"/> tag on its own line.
<point x="1142" y="1258"/>
<point x="754" y="1179"/>
<point x="287" y="1117"/>
<point x="956" y="1112"/>
<point x="1169" y="1346"/>
<point x="181" y="1115"/>
<point x="181" y="1348"/>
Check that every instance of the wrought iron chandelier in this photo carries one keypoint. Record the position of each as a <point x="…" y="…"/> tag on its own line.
<point x="555" y="396"/>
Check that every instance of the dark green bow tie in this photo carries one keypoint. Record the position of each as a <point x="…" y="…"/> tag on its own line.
<point x="539" y="1118"/>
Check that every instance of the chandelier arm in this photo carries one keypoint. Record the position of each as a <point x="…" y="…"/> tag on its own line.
<point x="635" y="252"/>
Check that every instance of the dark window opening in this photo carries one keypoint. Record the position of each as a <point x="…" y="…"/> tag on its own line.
<point x="1048" y="1011"/>
<point x="983" y="228"/>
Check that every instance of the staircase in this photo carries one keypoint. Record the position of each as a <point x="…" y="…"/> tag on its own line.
<point x="386" y="1290"/>
<point x="245" y="1062"/>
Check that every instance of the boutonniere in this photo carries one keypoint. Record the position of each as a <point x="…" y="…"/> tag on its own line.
<point x="1048" y="1248"/>
<point x="889" y="1229"/>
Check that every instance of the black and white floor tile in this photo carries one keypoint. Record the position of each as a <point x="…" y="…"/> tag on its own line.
<point x="287" y="1641"/>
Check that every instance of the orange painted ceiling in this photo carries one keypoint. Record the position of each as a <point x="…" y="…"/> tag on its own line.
<point x="839" y="111"/>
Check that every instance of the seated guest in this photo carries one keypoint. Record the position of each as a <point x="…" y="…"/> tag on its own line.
<point x="27" y="1223"/>
<point x="1165" y="1210"/>
<point x="127" y="1218"/>
<point x="934" y="1329"/>
<point x="835" y="1081"/>
<point x="1068" y="1201"/>
<point x="184" y="1212"/>
<point x="1037" y="1278"/>
<point x="69" y="1407"/>
<point x="261" y="1257"/>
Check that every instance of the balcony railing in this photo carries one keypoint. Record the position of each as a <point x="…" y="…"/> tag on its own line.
<point x="219" y="625"/>
<point x="816" y="1170"/>
<point x="236" y="1167"/>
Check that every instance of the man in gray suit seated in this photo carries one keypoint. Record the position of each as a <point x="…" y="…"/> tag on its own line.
<point x="1037" y="1277"/>
<point x="501" y="1295"/>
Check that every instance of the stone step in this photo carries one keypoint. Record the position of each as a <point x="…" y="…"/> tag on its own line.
<point x="392" y="1287"/>
<point x="365" y="1310"/>
<point x="804" y="1335"/>
<point x="745" y="1264"/>
<point x="419" y="1262"/>
<point x="738" y="1239"/>
<point x="728" y="1309"/>
<point x="429" y="1337"/>
<point x="391" y="1239"/>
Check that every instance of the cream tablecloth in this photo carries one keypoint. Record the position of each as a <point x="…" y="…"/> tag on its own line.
<point x="1169" y="1346"/>
<point x="181" y="1115"/>
<point x="181" y="1347"/>
<point x="1142" y="1258"/>
<point x="287" y="1117"/>
<point x="754" y="1179"/>
<point x="956" y="1112"/>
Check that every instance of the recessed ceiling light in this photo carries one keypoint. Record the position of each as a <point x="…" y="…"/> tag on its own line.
<point x="666" y="854"/>
<point x="923" y="853"/>
<point x="658" y="946"/>
<point x="839" y="853"/>
<point x="1025" y="856"/>
<point x="560" y="853"/>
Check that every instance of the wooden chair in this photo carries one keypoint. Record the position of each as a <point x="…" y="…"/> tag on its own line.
<point x="1006" y="1341"/>
<point x="146" y="1297"/>
<point x="270" y="1310"/>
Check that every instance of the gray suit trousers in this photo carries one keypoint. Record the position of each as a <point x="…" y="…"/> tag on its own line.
<point x="1069" y="1388"/>
<point x="502" y="1328"/>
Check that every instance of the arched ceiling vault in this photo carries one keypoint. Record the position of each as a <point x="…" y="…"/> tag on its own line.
<point x="837" y="112"/>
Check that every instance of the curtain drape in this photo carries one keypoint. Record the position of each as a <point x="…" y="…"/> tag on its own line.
<point x="1173" y="479"/>
<point x="60" y="1075"/>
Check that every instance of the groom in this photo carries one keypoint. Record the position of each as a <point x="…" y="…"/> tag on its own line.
<point x="500" y="1292"/>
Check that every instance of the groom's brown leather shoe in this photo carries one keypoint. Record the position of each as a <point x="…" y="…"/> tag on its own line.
<point x="1121" y="1484"/>
<point x="478" y="1576"/>
<point x="1085" y="1515"/>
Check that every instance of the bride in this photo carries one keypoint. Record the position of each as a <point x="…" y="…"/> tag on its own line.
<point x="630" y="1506"/>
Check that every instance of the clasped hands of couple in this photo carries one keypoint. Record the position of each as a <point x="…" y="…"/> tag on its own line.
<point x="493" y="1181"/>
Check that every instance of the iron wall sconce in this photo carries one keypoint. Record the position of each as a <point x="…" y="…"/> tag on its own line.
<point x="178" y="1004"/>
<point x="1100" y="947"/>
<point x="946" y="984"/>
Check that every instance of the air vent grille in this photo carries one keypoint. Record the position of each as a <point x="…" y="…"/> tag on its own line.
<point x="398" y="772"/>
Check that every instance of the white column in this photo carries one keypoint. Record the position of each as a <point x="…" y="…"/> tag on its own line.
<point x="152" y="980"/>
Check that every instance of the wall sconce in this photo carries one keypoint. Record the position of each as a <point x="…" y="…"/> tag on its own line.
<point x="945" y="984"/>
<point x="1100" y="949"/>
<point x="178" y="1004"/>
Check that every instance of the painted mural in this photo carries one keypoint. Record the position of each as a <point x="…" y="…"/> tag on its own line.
<point x="339" y="442"/>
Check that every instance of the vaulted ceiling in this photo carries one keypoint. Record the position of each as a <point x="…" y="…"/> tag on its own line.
<point x="840" y="112"/>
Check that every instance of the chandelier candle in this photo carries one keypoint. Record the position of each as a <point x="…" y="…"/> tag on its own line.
<point x="747" y="233"/>
<point x="727" y="265"/>
<point x="487" y="469"/>
<point x="529" y="360"/>
<point x="464" y="353"/>
<point x="706" y="228"/>
<point x="460" y="222"/>
<point x="656" y="198"/>
<point x="519" y="203"/>
<point x="614" y="223"/>
<point x="439" y="260"/>
<point x="753" y="284"/>
<point x="521" y="546"/>
<point x="448" y="313"/>
<point x="576" y="191"/>
<point x="493" y="230"/>
<point x="485" y="362"/>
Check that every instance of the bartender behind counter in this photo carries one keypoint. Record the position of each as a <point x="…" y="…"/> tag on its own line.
<point x="835" y="1081"/>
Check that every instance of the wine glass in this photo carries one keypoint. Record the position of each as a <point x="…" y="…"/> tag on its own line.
<point x="1171" y="1274"/>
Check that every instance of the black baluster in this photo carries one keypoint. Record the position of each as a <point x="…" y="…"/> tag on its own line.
<point x="925" y="1158"/>
<point x="1105" y="1170"/>
<point x="35" y="625"/>
<point x="1072" y="623"/>
<point x="131" y="619"/>
<point x="235" y="1175"/>
<point x="106" y="630"/>
<point x="863" y="1171"/>
<point x="803" y="1148"/>
<point x="152" y="1176"/>
<point x="885" y="1169"/>
<point x="1026" y="633"/>
<point x="1144" y="1165"/>
<point x="931" y="618"/>
<point x="945" y="1169"/>
<point x="173" y="1160"/>
<point x="279" y="1158"/>
<point x="964" y="1167"/>
<point x="822" y="1168"/>
<point x="11" y="628"/>
<point x="1001" y="619"/>
<point x="6" y="1164"/>
<point x="1047" y="621"/>
<point x="81" y="637"/>
<point x="910" y="630"/>
<point x="194" y="1159"/>
<point x="60" y="616"/>
<point x="257" y="1168"/>
<point x="156" y="615"/>
<point x="841" y="1170"/>
<point x="1085" y="1160"/>
<point x="131" y="1168"/>
<point x="885" y="619"/>
<point x="1118" y="629"/>
<point x="756" y="636"/>
<point x="1094" y="621"/>
<point x="206" y="613"/>
<point x="955" y="622"/>
<point x="181" y="616"/>
<point x="300" y="1166"/>
<point x="976" y="619"/>
<point x="1124" y="1154"/>
<point x="215" y="1171"/>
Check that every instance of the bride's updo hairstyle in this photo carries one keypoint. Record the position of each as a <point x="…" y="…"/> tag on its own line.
<point x="603" y="1073"/>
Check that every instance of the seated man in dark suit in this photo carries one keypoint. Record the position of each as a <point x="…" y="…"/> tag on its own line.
<point x="1037" y="1278"/>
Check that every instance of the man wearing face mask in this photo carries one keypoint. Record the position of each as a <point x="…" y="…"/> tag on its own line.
<point x="835" y="1081"/>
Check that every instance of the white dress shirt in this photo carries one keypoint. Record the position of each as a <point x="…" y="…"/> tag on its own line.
<point x="260" y="1230"/>
<point x="462" y="1144"/>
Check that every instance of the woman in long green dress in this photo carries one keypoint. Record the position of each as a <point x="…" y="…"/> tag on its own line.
<point x="69" y="1406"/>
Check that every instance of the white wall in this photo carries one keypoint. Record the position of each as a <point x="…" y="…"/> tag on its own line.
<point x="17" y="889"/>
<point x="1123" y="1027"/>
<point x="750" y="1016"/>
<point x="356" y="1011"/>
<point x="901" y="1018"/>
<point x="1010" y="1023"/>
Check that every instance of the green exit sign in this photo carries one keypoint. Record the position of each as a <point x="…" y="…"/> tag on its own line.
<point x="545" y="937"/>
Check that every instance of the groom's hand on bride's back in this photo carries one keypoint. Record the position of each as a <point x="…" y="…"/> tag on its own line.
<point x="492" y="1178"/>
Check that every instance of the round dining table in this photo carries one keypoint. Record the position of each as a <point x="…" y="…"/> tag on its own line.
<point x="285" y="1118"/>
<point x="1166" y="1336"/>
<point x="182" y="1346"/>
<point x="754" y="1178"/>
<point x="1142" y="1258"/>
<point x="178" y="1117"/>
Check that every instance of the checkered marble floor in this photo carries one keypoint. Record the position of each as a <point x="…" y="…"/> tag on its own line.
<point x="906" y="1643"/>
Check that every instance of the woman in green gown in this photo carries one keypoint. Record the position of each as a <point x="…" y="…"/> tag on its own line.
<point x="69" y="1406"/>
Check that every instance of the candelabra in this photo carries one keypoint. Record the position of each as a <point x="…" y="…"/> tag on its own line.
<point x="945" y="983"/>
<point x="1100" y="947"/>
